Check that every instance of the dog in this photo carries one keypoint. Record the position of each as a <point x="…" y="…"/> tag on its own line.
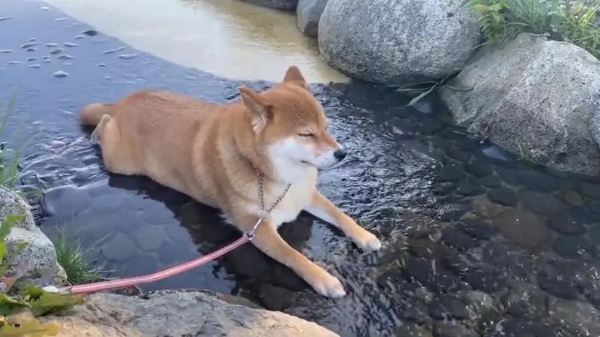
<point x="263" y="151"/>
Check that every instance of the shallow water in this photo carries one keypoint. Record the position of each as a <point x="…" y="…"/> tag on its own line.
<point x="459" y="218"/>
<point x="228" y="38"/>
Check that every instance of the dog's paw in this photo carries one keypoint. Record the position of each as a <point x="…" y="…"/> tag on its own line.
<point x="367" y="241"/>
<point x="328" y="285"/>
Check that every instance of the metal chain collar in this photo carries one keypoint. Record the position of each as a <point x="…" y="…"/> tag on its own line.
<point x="264" y="214"/>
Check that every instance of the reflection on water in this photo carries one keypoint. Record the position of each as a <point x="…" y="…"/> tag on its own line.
<point x="229" y="38"/>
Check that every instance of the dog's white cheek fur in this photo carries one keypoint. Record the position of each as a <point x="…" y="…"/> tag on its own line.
<point x="286" y="156"/>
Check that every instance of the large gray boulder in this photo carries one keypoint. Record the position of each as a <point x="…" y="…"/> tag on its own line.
<point x="282" y="5"/>
<point x="178" y="313"/>
<point x="397" y="41"/>
<point x="537" y="98"/>
<point x="308" y="14"/>
<point x="37" y="262"/>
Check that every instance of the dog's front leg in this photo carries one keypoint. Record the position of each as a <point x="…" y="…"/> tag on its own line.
<point x="324" y="209"/>
<point x="269" y="241"/>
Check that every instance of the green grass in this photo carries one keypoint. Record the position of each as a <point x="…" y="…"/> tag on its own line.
<point x="561" y="20"/>
<point x="77" y="261"/>
<point x="9" y="170"/>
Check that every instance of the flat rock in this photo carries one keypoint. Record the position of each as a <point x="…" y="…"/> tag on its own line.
<point x="178" y="313"/>
<point x="523" y="228"/>
<point x="308" y="14"/>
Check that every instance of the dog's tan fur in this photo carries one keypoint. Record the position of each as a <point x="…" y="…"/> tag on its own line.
<point x="208" y="151"/>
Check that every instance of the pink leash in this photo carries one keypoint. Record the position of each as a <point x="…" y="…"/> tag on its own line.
<point x="127" y="282"/>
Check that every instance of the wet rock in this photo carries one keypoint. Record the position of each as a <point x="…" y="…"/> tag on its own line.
<point x="414" y="311"/>
<point x="483" y="278"/>
<point x="275" y="298"/>
<point x="514" y="327"/>
<point x="451" y="173"/>
<point x="573" y="198"/>
<point x="453" y="212"/>
<point x="428" y="249"/>
<point x="60" y="74"/>
<point x="448" y="329"/>
<point x="118" y="248"/>
<point x="412" y="330"/>
<point x="484" y="208"/>
<point x="499" y="156"/>
<point x="286" y="278"/>
<point x="490" y="181"/>
<point x="593" y="206"/>
<point x="510" y="259"/>
<point x="430" y="125"/>
<point x="65" y="202"/>
<point x="572" y="247"/>
<point x="56" y="51"/>
<point x="560" y="278"/>
<point x="37" y="261"/>
<point x="109" y="202"/>
<point x="149" y="238"/>
<point x="446" y="307"/>
<point x="128" y="222"/>
<point x="479" y="305"/>
<point x="523" y="228"/>
<point x="503" y="196"/>
<point x="477" y="228"/>
<point x="282" y="5"/>
<point x="308" y="13"/>
<point x="589" y="190"/>
<point x="470" y="188"/>
<point x="90" y="32"/>
<point x="518" y="119"/>
<point x="478" y="168"/>
<point x="579" y="318"/>
<point x="509" y="176"/>
<point x="70" y="44"/>
<point x="458" y="240"/>
<point x="538" y="181"/>
<point x="432" y="275"/>
<point x="542" y="203"/>
<point x="65" y="57"/>
<point x="525" y="300"/>
<point x="566" y="225"/>
<point x="128" y="56"/>
<point x="178" y="313"/>
<point x="372" y="55"/>
<point x="29" y="45"/>
<point x="594" y="233"/>
<point x="457" y="154"/>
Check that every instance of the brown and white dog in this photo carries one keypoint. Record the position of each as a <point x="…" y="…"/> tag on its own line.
<point x="216" y="153"/>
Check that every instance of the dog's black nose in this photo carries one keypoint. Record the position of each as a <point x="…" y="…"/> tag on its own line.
<point x="339" y="154"/>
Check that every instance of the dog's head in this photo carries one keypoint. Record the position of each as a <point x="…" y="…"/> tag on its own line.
<point x="290" y="124"/>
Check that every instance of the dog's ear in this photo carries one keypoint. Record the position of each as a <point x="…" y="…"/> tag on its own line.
<point x="294" y="75"/>
<point x="259" y="109"/>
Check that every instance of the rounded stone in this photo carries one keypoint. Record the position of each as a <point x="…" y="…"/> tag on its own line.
<point x="431" y="44"/>
<point x="478" y="168"/>
<point x="449" y="329"/>
<point x="445" y="307"/>
<point x="572" y="247"/>
<point x="469" y="188"/>
<point x="451" y="173"/>
<point x="118" y="248"/>
<point x="458" y="240"/>
<point x="110" y="202"/>
<point x="508" y="175"/>
<point x="484" y="208"/>
<point x="538" y="181"/>
<point x="503" y="196"/>
<point x="490" y="181"/>
<point x="478" y="229"/>
<point x="560" y="278"/>
<point x="275" y="298"/>
<point x="523" y="228"/>
<point x="542" y="203"/>
<point x="149" y="238"/>
<point x="412" y="330"/>
<point x="573" y="198"/>
<point x="566" y="225"/>
<point x="590" y="190"/>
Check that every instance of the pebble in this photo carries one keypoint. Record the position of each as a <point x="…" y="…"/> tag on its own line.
<point x="478" y="168"/>
<point x="503" y="196"/>
<point x="109" y="202"/>
<point x="4" y="18"/>
<point x="56" y="51"/>
<point x="90" y="32"/>
<point x="458" y="240"/>
<point x="478" y="229"/>
<point x="65" y="57"/>
<point x="29" y="45"/>
<point x="538" y="181"/>
<point x="70" y="44"/>
<point x="509" y="176"/>
<point x="35" y="66"/>
<point x="275" y="298"/>
<point x="490" y="181"/>
<point x="470" y="188"/>
<point x="149" y="238"/>
<point x="542" y="203"/>
<point x="449" y="329"/>
<point x="14" y="62"/>
<point x="110" y="51"/>
<point x="451" y="173"/>
<point x="52" y="45"/>
<point x="127" y="56"/>
<point x="118" y="248"/>
<point x="593" y="206"/>
<point x="79" y="37"/>
<point x="589" y="190"/>
<point x="573" y="198"/>
<point x="484" y="208"/>
<point x="560" y="278"/>
<point x="445" y="307"/>
<point x="412" y="330"/>
<point x="432" y="275"/>
<point x="523" y="228"/>
<point x="60" y="74"/>
<point x="572" y="247"/>
<point x="566" y="225"/>
<point x="31" y="59"/>
<point x="30" y="49"/>
<point x="5" y="51"/>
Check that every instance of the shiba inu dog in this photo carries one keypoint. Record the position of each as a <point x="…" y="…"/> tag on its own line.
<point x="255" y="158"/>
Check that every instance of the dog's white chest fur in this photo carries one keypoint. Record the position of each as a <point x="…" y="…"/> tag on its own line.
<point x="297" y="198"/>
